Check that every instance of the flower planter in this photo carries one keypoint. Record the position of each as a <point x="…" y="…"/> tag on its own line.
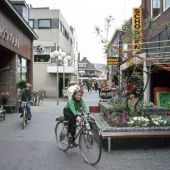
<point x="94" y="109"/>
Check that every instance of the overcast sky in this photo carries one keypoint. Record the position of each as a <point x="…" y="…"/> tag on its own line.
<point x="84" y="15"/>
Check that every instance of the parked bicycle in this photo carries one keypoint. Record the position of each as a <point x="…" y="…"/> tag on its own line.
<point x="89" y="142"/>
<point x="37" y="97"/>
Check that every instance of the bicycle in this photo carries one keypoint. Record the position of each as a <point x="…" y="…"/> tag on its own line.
<point x="37" y="97"/>
<point x="89" y="142"/>
<point x="24" y="114"/>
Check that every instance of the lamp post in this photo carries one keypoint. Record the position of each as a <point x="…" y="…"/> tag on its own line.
<point x="55" y="55"/>
<point x="63" y="55"/>
<point x="59" y="56"/>
<point x="65" y="59"/>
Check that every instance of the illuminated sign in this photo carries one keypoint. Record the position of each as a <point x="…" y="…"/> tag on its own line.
<point x="137" y="29"/>
<point x="112" y="60"/>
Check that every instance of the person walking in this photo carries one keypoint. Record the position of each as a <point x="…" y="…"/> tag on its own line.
<point x="96" y="86"/>
<point x="100" y="85"/>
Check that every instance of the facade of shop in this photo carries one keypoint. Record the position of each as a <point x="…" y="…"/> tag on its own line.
<point x="54" y="34"/>
<point x="87" y="71"/>
<point x="16" y="39"/>
<point x="158" y="36"/>
<point x="155" y="46"/>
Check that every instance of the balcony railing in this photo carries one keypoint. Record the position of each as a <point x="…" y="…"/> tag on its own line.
<point x="61" y="69"/>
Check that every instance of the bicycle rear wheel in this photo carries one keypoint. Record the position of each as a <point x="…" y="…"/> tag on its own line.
<point x="90" y="147"/>
<point x="40" y="99"/>
<point x="24" y="120"/>
<point x="61" y="136"/>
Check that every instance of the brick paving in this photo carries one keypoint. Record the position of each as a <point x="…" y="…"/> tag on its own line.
<point x="34" y="148"/>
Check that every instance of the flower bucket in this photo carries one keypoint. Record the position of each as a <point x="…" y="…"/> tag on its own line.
<point x="94" y="109"/>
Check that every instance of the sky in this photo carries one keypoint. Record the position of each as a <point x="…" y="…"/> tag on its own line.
<point x="84" y="15"/>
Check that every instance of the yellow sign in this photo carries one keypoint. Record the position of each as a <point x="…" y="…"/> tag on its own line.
<point x="112" y="60"/>
<point x="137" y="29"/>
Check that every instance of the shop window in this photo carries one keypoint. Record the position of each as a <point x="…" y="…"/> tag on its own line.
<point x="31" y="23"/>
<point x="21" y="69"/>
<point x="42" y="58"/>
<point x="53" y="48"/>
<point x="156" y="8"/>
<point x="167" y="4"/>
<point x="44" y="23"/>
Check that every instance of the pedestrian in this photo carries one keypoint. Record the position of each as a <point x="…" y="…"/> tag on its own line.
<point x="26" y="97"/>
<point x="100" y="86"/>
<point x="88" y="86"/>
<point x="96" y="86"/>
<point x="72" y="87"/>
<point x="70" y="113"/>
<point x="93" y="86"/>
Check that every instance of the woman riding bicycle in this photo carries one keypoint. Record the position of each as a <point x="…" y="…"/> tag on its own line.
<point x="26" y="97"/>
<point x="70" y="113"/>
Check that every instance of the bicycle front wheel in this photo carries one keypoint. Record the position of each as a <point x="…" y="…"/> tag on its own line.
<point x="90" y="147"/>
<point x="24" y="119"/>
<point x="61" y="136"/>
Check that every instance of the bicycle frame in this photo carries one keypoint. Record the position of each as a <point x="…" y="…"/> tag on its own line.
<point x="25" y="105"/>
<point x="84" y="124"/>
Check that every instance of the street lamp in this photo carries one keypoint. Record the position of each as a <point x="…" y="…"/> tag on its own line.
<point x="59" y="56"/>
<point x="63" y="55"/>
<point x="55" y="55"/>
<point x="67" y="58"/>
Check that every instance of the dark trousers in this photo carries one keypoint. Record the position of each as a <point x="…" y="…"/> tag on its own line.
<point x="71" y="122"/>
<point x="99" y="91"/>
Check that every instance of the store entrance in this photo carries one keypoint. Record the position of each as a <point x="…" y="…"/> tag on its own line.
<point x="7" y="76"/>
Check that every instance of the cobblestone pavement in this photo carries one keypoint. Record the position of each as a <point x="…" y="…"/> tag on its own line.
<point x="34" y="148"/>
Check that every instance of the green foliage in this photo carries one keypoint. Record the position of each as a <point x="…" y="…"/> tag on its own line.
<point x="148" y="23"/>
<point x="118" y="106"/>
<point x="21" y="84"/>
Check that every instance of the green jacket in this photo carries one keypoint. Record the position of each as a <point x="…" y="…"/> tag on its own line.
<point x="73" y="106"/>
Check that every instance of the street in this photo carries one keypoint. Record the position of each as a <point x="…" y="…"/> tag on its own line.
<point x="35" y="148"/>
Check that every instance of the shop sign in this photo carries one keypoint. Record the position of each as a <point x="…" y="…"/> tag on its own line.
<point x="137" y="29"/>
<point x="112" y="60"/>
<point x="39" y="49"/>
<point x="8" y="36"/>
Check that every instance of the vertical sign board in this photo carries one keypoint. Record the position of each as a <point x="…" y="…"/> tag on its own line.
<point x="137" y="29"/>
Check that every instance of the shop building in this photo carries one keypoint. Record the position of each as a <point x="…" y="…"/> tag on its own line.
<point x="155" y="50"/>
<point x="54" y="35"/>
<point x="16" y="40"/>
<point x="88" y="71"/>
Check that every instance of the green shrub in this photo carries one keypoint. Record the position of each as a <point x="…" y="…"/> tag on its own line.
<point x="21" y="84"/>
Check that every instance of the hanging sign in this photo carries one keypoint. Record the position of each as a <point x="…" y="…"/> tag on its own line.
<point x="137" y="29"/>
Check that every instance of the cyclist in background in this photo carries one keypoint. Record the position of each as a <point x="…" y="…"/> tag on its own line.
<point x="26" y="97"/>
<point x="70" y="113"/>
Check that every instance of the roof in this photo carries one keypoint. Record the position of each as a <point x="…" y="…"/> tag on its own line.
<point x="89" y="65"/>
<point x="12" y="9"/>
<point x="115" y="34"/>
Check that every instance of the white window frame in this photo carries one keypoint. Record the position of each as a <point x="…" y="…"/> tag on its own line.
<point x="164" y="7"/>
<point x="152" y="10"/>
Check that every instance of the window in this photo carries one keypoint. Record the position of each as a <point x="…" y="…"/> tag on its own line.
<point x="156" y="8"/>
<point x="44" y="23"/>
<point x="53" y="48"/>
<point x="61" y="26"/>
<point x="21" y="69"/>
<point x="167" y="4"/>
<point x="41" y="58"/>
<point x="31" y="23"/>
